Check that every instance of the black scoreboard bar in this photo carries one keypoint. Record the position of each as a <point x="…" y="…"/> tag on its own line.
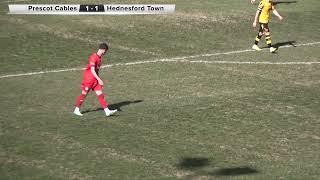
<point x="91" y="8"/>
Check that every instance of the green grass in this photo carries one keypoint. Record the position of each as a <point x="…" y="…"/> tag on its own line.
<point x="178" y="120"/>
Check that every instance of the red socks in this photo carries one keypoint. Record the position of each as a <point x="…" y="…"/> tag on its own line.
<point x="79" y="100"/>
<point x="102" y="101"/>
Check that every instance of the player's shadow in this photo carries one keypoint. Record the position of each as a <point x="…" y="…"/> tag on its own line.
<point x="287" y="43"/>
<point x="123" y="103"/>
<point x="114" y="106"/>
<point x="188" y="163"/>
<point x="199" y="166"/>
<point x="281" y="44"/>
<point x="235" y="171"/>
<point x="283" y="2"/>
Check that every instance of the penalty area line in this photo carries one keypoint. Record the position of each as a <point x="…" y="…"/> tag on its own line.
<point x="182" y="59"/>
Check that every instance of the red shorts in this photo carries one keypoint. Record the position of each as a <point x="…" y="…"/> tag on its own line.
<point x="90" y="85"/>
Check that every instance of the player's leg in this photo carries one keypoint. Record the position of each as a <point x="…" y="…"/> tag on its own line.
<point x="259" y="35"/>
<point x="85" y="88"/>
<point x="258" y="38"/>
<point x="98" y="90"/>
<point x="268" y="38"/>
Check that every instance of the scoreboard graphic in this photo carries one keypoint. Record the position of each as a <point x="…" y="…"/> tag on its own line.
<point x="91" y="9"/>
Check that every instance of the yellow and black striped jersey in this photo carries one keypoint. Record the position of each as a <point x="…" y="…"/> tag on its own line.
<point x="265" y="6"/>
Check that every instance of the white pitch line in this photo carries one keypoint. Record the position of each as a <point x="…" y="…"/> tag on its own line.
<point x="250" y="62"/>
<point x="182" y="59"/>
<point x="40" y="72"/>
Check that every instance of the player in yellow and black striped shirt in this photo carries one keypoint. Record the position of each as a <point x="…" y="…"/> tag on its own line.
<point x="262" y="15"/>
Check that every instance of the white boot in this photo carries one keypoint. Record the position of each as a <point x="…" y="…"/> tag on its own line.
<point x="109" y="112"/>
<point x="256" y="47"/>
<point x="77" y="112"/>
<point x="273" y="49"/>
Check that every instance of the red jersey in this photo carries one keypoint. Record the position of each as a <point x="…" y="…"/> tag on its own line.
<point x="94" y="60"/>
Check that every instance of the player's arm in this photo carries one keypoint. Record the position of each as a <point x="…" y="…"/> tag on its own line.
<point x="254" y="24"/>
<point x="92" y="62"/>
<point x="276" y="13"/>
<point x="93" y="71"/>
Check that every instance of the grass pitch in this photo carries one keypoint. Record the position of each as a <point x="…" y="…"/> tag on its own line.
<point x="177" y="120"/>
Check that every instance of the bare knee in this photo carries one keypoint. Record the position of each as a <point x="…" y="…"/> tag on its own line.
<point x="84" y="92"/>
<point x="98" y="92"/>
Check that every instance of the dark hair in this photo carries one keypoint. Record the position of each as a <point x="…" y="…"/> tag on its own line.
<point x="103" y="46"/>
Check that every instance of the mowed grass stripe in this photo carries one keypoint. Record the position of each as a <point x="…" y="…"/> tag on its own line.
<point x="183" y="60"/>
<point x="58" y="172"/>
<point x="158" y="135"/>
<point x="267" y="92"/>
<point x="170" y="134"/>
<point x="42" y="50"/>
<point x="67" y="33"/>
<point x="207" y="144"/>
<point x="73" y="149"/>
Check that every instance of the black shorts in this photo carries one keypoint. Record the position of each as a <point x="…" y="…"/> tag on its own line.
<point x="264" y="27"/>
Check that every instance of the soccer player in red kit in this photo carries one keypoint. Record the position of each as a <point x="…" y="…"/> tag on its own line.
<point x="92" y="81"/>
